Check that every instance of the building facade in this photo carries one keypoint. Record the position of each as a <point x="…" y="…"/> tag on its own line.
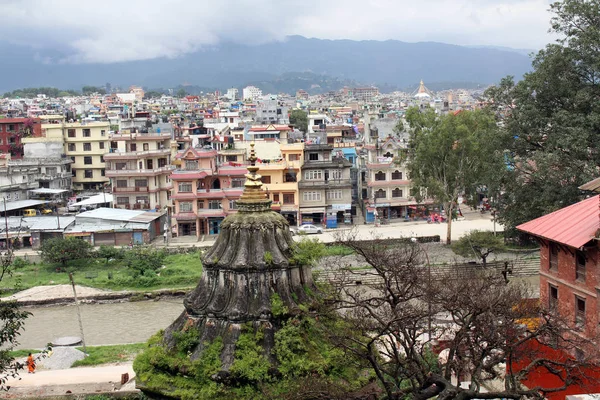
<point x="12" y="130"/>
<point x="250" y="93"/>
<point x="138" y="166"/>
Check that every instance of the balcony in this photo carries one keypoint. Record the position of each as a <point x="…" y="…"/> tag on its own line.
<point x="115" y="154"/>
<point x="138" y="172"/>
<point x="150" y="135"/>
<point x="135" y="206"/>
<point x="130" y="189"/>
<point x="337" y="162"/>
<point x="331" y="183"/>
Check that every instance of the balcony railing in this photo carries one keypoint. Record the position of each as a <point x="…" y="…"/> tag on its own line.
<point x="132" y="171"/>
<point x="130" y="189"/>
<point x="328" y="183"/>
<point x="115" y="153"/>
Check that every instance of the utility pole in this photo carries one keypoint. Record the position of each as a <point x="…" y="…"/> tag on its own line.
<point x="6" y="225"/>
<point x="78" y="312"/>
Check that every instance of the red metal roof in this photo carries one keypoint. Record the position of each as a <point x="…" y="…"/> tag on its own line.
<point x="573" y="226"/>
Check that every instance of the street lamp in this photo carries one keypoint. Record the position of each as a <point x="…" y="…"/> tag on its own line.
<point x="416" y="242"/>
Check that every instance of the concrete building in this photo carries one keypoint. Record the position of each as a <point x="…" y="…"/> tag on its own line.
<point x="11" y="132"/>
<point x="250" y="93"/>
<point x="272" y="111"/>
<point x="232" y="94"/>
<point x="203" y="192"/>
<point x="326" y="188"/>
<point x="365" y="94"/>
<point x="138" y="166"/>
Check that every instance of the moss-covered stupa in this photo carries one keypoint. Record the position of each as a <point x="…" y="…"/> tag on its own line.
<point x="247" y="272"/>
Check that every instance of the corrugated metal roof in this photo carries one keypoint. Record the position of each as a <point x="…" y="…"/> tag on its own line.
<point x="49" y="223"/>
<point x="15" y="205"/>
<point x="119" y="214"/>
<point x="593" y="186"/>
<point x="573" y="226"/>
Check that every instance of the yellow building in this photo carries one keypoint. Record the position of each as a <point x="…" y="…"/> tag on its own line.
<point x="280" y="180"/>
<point x="85" y="143"/>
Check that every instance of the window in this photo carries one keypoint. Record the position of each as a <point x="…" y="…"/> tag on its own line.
<point x="141" y="183"/>
<point x="87" y="132"/>
<point x="380" y="194"/>
<point x="334" y="194"/>
<point x="200" y="204"/>
<point x="314" y="174"/>
<point x="580" y="266"/>
<point x="146" y="147"/>
<point x="87" y="160"/>
<point x="162" y="162"/>
<point x="88" y="173"/>
<point x="553" y="256"/>
<point x="71" y="132"/>
<point x="335" y="174"/>
<point x="185" y="187"/>
<point x="289" y="177"/>
<point x="231" y="158"/>
<point x="101" y="144"/>
<point x="552" y="297"/>
<point x="311" y="196"/>
<point x="185" y="206"/>
<point x="120" y="165"/>
<point x="121" y="183"/>
<point x="191" y="165"/>
<point x="87" y="147"/>
<point x="266" y="179"/>
<point x="293" y="157"/>
<point x="122" y="200"/>
<point x="51" y="170"/>
<point x="232" y="205"/>
<point x="397" y="192"/>
<point x="380" y="176"/>
<point x="288" y="198"/>
<point x="579" y="312"/>
<point x="102" y="133"/>
<point x="214" y="204"/>
<point x="237" y="183"/>
<point x="101" y="159"/>
<point x="71" y="147"/>
<point x="396" y="175"/>
<point x="133" y="147"/>
<point x="276" y="197"/>
<point x="313" y="156"/>
<point x="102" y="172"/>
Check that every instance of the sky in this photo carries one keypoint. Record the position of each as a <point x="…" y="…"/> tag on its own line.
<point x="83" y="31"/>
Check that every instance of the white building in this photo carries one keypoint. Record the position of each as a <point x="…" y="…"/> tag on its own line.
<point x="251" y="93"/>
<point x="232" y="94"/>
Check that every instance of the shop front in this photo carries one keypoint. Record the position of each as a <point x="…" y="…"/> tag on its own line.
<point x="313" y="215"/>
<point x="338" y="214"/>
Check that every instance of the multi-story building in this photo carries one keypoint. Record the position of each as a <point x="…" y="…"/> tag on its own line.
<point x="232" y="94"/>
<point x="139" y="165"/>
<point x="326" y="188"/>
<point x="251" y="93"/>
<point x="272" y="111"/>
<point x="85" y="144"/>
<point x="11" y="132"/>
<point x="385" y="183"/>
<point x="280" y="181"/>
<point x="204" y="192"/>
<point x="365" y="93"/>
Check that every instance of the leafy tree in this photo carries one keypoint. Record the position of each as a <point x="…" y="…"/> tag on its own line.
<point x="145" y="260"/>
<point x="109" y="252"/>
<point x="450" y="155"/>
<point x="12" y="320"/>
<point x="479" y="244"/>
<point x="181" y="92"/>
<point x="33" y="92"/>
<point x="152" y="94"/>
<point x="489" y="332"/>
<point x="63" y="250"/>
<point x="299" y="119"/>
<point x="551" y="118"/>
<point x="87" y="90"/>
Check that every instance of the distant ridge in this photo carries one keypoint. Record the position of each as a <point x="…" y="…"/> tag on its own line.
<point x="388" y="63"/>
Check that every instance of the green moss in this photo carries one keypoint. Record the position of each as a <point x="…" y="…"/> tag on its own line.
<point x="250" y="363"/>
<point x="268" y="257"/>
<point x="278" y="309"/>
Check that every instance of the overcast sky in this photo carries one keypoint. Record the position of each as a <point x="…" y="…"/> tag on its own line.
<point x="123" y="30"/>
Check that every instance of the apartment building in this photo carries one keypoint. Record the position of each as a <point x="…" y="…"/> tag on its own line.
<point x="250" y="93"/>
<point x="11" y="132"/>
<point x="325" y="189"/>
<point x="204" y="192"/>
<point x="385" y="183"/>
<point x="272" y="111"/>
<point x="138" y="166"/>
<point x="280" y="181"/>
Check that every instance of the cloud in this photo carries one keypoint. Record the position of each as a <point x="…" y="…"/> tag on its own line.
<point x="114" y="31"/>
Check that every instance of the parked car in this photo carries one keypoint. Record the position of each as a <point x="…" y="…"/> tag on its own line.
<point x="310" y="229"/>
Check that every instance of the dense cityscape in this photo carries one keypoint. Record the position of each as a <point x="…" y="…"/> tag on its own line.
<point x="341" y="241"/>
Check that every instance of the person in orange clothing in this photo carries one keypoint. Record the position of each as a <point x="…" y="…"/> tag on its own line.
<point x="30" y="364"/>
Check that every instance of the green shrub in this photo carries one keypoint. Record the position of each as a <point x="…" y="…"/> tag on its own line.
<point x="145" y="260"/>
<point x="64" y="250"/>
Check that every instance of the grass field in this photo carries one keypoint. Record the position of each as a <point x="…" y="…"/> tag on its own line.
<point x="98" y="355"/>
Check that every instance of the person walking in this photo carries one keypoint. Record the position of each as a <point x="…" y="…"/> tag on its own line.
<point x="30" y="364"/>
<point x="165" y="237"/>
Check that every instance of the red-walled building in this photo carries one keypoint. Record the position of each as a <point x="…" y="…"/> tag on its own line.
<point x="13" y="129"/>
<point x="569" y="281"/>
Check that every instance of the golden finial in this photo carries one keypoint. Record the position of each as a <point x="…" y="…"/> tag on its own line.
<point x="253" y="198"/>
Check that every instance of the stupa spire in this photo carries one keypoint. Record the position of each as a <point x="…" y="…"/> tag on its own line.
<point x="253" y="198"/>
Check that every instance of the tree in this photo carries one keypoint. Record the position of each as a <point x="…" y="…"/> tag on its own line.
<point x="87" y="90"/>
<point x="450" y="155"/>
<point x="299" y="119"/>
<point x="108" y="252"/>
<point x="181" y="92"/>
<point x="479" y="244"/>
<point x="12" y="319"/>
<point x="63" y="250"/>
<point x="404" y="313"/>
<point x="551" y="118"/>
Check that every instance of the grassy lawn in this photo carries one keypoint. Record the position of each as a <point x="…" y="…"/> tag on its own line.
<point x="23" y="353"/>
<point x="98" y="355"/>
<point x="180" y="271"/>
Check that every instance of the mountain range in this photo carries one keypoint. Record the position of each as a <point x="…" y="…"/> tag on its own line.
<point x="295" y="63"/>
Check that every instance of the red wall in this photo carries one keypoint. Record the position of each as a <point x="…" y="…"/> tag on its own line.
<point x="19" y="123"/>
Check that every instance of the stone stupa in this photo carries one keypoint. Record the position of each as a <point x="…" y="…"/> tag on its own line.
<point x="251" y="261"/>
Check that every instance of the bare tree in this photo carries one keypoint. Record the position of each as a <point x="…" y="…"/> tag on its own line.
<point x="423" y="331"/>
